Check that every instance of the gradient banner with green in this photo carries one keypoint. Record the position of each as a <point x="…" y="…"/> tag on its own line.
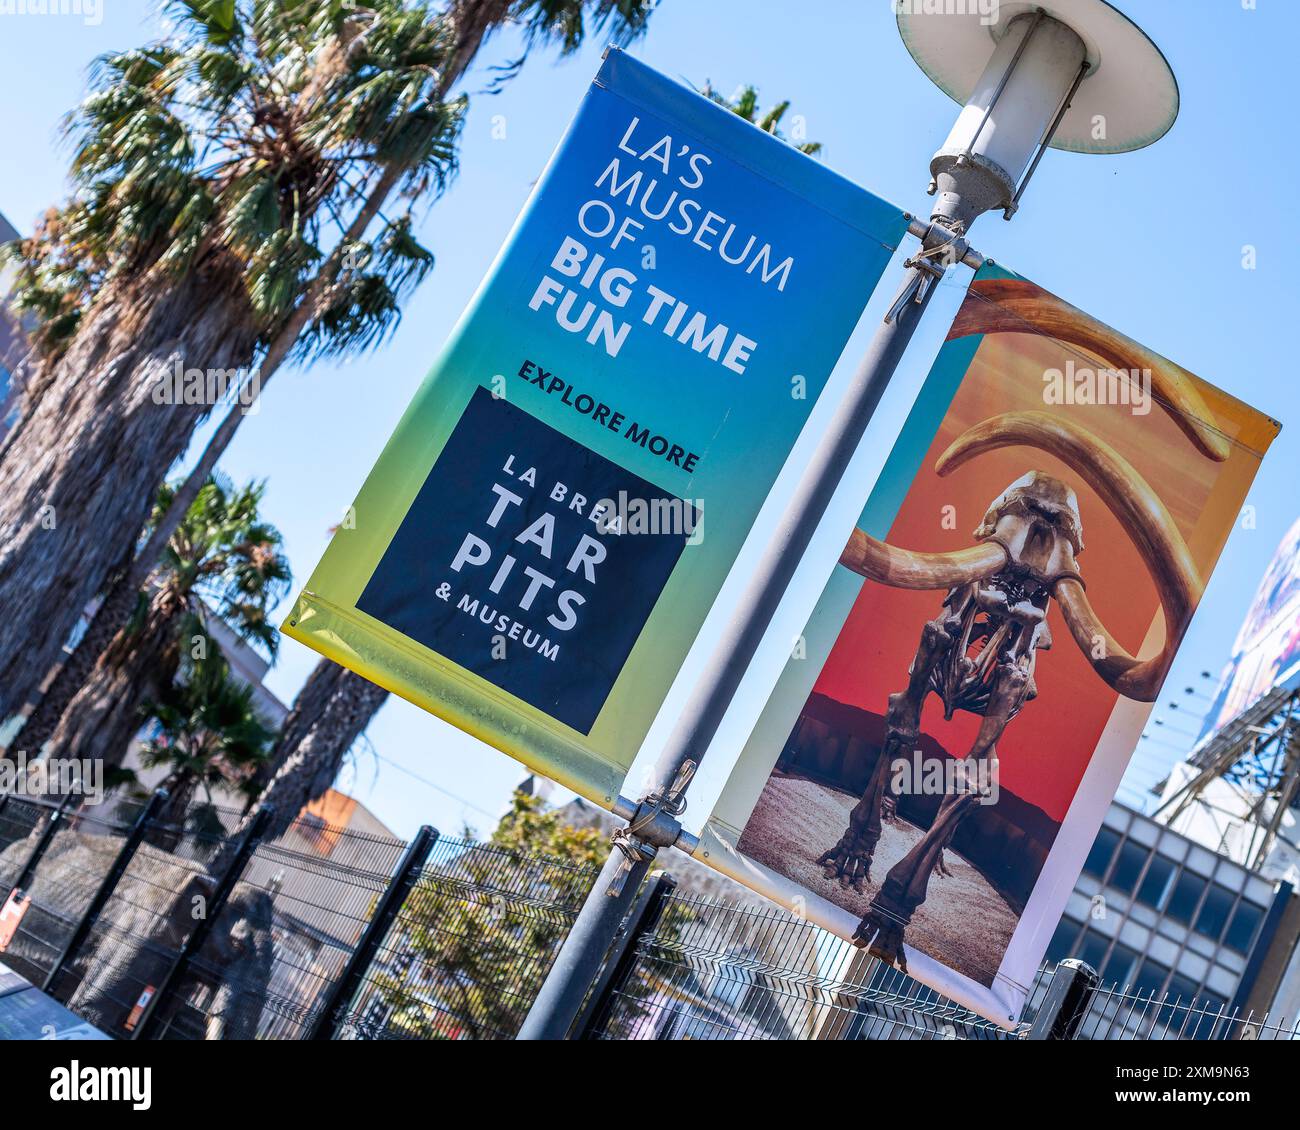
<point x="534" y="552"/>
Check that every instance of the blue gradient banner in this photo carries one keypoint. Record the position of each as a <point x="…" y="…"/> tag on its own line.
<point x="536" y="548"/>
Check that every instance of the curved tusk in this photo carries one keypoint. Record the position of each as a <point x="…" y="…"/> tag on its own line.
<point x="1134" y="678"/>
<point x="908" y="569"/>
<point x="1130" y="498"/>
<point x="1018" y="306"/>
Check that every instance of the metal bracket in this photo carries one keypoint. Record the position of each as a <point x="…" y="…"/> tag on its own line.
<point x="654" y="825"/>
<point x="940" y="247"/>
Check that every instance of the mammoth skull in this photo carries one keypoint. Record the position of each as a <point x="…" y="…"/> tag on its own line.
<point x="1027" y="544"/>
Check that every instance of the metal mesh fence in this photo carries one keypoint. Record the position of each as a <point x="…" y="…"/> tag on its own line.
<point x="469" y="936"/>
<point x="712" y="971"/>
<point x="470" y="947"/>
<point x="139" y="936"/>
<point x="18" y="820"/>
<point x="292" y="922"/>
<point x="1116" y="1013"/>
<point x="73" y="862"/>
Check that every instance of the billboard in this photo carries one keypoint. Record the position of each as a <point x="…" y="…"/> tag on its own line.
<point x="1266" y="653"/>
<point x="938" y="754"/>
<point x="535" y="550"/>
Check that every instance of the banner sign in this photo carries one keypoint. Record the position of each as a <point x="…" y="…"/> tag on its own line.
<point x="533" y="554"/>
<point x="934" y="763"/>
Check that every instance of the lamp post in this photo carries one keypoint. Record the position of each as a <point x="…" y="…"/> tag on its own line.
<point x="1066" y="74"/>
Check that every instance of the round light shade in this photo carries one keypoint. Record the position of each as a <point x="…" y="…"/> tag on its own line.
<point x="1129" y="83"/>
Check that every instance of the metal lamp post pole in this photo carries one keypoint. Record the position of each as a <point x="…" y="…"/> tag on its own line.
<point x="579" y="960"/>
<point x="1027" y="85"/>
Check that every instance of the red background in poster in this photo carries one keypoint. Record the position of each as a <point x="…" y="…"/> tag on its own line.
<point x="1043" y="753"/>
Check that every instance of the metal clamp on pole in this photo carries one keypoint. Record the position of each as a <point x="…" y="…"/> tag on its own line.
<point x="653" y="826"/>
<point x="940" y="248"/>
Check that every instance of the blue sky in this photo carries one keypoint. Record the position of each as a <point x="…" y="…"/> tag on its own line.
<point x="1151" y="242"/>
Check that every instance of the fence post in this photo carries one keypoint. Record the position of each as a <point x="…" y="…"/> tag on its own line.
<point x="642" y="919"/>
<point x="1066" y="1002"/>
<point x="47" y="835"/>
<point x="221" y="892"/>
<point x="115" y="872"/>
<point x="330" y="1018"/>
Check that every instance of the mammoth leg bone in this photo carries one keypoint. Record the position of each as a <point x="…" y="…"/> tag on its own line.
<point x="881" y="929"/>
<point x="850" y="859"/>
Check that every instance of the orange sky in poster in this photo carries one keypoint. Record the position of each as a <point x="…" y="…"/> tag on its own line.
<point x="1044" y="751"/>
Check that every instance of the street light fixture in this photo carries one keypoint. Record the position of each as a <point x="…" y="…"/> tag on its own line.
<point x="1065" y="74"/>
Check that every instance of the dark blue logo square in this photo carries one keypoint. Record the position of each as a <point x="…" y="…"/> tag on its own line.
<point x="522" y="559"/>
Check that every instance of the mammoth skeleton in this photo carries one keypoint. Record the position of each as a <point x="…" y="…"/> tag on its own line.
<point x="979" y="653"/>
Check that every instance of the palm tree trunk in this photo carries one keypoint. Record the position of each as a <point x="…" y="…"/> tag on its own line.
<point x="168" y="828"/>
<point x="277" y="351"/>
<point x="75" y="492"/>
<point x="120" y="597"/>
<point x="312" y="698"/>
<point x="111" y="615"/>
<point x="473" y="21"/>
<point x="121" y="594"/>
<point x="331" y="711"/>
<point x="335" y="705"/>
<point x="103" y="717"/>
<point x="50" y="578"/>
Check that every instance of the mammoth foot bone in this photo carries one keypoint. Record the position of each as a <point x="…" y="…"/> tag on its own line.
<point x="849" y="860"/>
<point x="880" y="933"/>
<point x="940" y="867"/>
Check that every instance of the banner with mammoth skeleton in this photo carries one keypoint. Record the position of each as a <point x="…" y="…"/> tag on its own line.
<point x="935" y="760"/>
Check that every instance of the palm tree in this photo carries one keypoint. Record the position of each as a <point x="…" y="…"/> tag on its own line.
<point x="225" y="183"/>
<point x="221" y="560"/>
<point x="207" y="734"/>
<point x="329" y="714"/>
<point x="212" y="172"/>
<point x="745" y="105"/>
